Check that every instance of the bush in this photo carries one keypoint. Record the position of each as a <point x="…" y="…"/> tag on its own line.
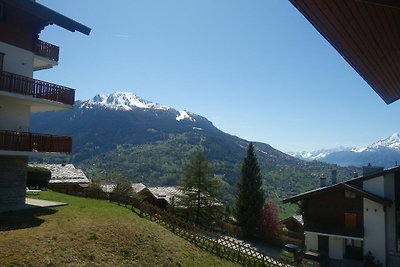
<point x="124" y="188"/>
<point x="38" y="177"/>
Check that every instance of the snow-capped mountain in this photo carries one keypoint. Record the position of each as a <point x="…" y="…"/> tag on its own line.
<point x="385" y="152"/>
<point x="127" y="101"/>
<point x="392" y="142"/>
<point x="317" y="154"/>
<point x="120" y="101"/>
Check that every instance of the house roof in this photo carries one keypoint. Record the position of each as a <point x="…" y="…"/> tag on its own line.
<point x="340" y="186"/>
<point x="48" y="15"/>
<point x="374" y="175"/>
<point x="63" y="173"/>
<point x="366" y="33"/>
<point x="165" y="192"/>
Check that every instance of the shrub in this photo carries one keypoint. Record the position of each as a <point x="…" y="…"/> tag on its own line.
<point x="38" y="177"/>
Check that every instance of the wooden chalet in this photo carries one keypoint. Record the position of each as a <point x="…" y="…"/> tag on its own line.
<point x="22" y="53"/>
<point x="347" y="220"/>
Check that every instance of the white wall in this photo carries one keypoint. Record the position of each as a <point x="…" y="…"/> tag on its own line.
<point x="375" y="186"/>
<point x="311" y="241"/>
<point x="13" y="116"/>
<point x="17" y="60"/>
<point x="374" y="230"/>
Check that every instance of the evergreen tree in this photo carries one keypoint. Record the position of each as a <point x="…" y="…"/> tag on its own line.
<point x="200" y="190"/>
<point x="250" y="196"/>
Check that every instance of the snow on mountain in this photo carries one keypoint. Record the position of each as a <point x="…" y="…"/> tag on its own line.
<point x="121" y="101"/>
<point x="317" y="154"/>
<point x="184" y="115"/>
<point x="392" y="142"/>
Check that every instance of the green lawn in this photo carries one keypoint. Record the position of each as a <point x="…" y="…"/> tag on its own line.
<point x="91" y="232"/>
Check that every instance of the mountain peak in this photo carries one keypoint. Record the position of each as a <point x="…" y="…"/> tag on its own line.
<point x="392" y="142"/>
<point x="121" y="101"/>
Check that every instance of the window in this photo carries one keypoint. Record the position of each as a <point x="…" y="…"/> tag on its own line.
<point x="349" y="194"/>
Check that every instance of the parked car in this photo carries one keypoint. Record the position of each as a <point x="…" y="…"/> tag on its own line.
<point x="313" y="258"/>
<point x="291" y="253"/>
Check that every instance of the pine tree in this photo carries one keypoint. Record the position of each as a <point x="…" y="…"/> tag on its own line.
<point x="250" y="196"/>
<point x="200" y="190"/>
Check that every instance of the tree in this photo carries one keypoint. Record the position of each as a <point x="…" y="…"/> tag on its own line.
<point x="124" y="188"/>
<point x="37" y="177"/>
<point x="250" y="196"/>
<point x="199" y="190"/>
<point x="270" y="225"/>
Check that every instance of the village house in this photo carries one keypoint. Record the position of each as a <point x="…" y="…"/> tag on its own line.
<point x="64" y="176"/>
<point x="349" y="219"/>
<point x="22" y="53"/>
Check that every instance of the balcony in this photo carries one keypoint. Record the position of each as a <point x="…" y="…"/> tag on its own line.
<point x="14" y="83"/>
<point x="29" y="142"/>
<point x="333" y="229"/>
<point x="46" y="50"/>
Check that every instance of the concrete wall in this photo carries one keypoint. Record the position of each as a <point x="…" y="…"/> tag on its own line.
<point x="12" y="181"/>
<point x="375" y="230"/>
<point x="17" y="60"/>
<point x="311" y="241"/>
<point x="336" y="248"/>
<point x="13" y="116"/>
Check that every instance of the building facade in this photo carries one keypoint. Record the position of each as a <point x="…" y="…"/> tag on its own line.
<point x="22" y="53"/>
<point x="350" y="219"/>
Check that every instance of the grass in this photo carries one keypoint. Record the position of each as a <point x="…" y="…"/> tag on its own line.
<point x="91" y="232"/>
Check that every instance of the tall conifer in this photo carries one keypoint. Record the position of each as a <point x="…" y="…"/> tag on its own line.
<point x="250" y="196"/>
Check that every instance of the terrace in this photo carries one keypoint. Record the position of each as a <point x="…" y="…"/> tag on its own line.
<point x="47" y="50"/>
<point x="18" y="84"/>
<point x="30" y="142"/>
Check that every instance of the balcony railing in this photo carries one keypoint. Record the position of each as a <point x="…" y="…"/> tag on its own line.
<point x="18" y="84"/>
<point x="333" y="229"/>
<point x="46" y="50"/>
<point x="29" y="142"/>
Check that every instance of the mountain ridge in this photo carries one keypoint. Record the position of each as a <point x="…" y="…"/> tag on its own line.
<point x="385" y="152"/>
<point x="145" y="143"/>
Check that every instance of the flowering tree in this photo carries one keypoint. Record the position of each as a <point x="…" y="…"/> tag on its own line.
<point x="269" y="225"/>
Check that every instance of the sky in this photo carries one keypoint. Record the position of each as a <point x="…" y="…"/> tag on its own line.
<point x="256" y="69"/>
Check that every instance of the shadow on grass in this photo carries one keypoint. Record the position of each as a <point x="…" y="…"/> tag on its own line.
<point x="22" y="219"/>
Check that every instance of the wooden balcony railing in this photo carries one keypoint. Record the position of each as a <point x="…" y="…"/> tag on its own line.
<point x="18" y="84"/>
<point x="29" y="142"/>
<point x="333" y="229"/>
<point x="46" y="50"/>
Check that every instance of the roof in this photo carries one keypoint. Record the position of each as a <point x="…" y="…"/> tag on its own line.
<point x="63" y="173"/>
<point x="48" y="15"/>
<point x="165" y="192"/>
<point x="366" y="33"/>
<point x="349" y="186"/>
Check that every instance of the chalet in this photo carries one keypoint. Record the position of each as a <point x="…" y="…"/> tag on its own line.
<point x="64" y="175"/>
<point x="349" y="219"/>
<point x="22" y="53"/>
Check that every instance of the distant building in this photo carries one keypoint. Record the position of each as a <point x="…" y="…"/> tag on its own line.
<point x="22" y="53"/>
<point x="349" y="219"/>
<point x="64" y="175"/>
<point x="293" y="229"/>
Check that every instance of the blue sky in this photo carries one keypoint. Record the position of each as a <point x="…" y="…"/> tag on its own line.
<point x="257" y="69"/>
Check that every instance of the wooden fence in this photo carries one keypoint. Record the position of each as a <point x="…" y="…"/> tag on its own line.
<point x="223" y="246"/>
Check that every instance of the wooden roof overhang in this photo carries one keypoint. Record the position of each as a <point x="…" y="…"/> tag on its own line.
<point x="47" y="15"/>
<point x="367" y="35"/>
<point x="340" y="186"/>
